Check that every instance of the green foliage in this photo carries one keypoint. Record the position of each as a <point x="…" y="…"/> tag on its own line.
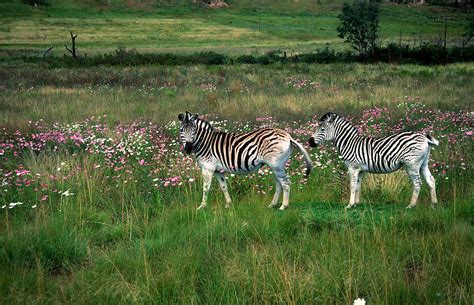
<point x="468" y="33"/>
<point x="425" y="53"/>
<point x="359" y="26"/>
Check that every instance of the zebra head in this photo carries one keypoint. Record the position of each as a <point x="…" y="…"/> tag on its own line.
<point x="187" y="130"/>
<point x="325" y="131"/>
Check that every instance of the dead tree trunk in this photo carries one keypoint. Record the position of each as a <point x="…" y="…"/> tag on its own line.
<point x="73" y="51"/>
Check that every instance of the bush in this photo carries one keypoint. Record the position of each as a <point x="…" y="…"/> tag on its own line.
<point x="246" y="59"/>
<point x="423" y="54"/>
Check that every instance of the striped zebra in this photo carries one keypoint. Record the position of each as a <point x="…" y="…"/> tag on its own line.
<point x="218" y="152"/>
<point x="378" y="155"/>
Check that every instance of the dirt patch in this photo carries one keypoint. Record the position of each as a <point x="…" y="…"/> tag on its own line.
<point x="218" y="4"/>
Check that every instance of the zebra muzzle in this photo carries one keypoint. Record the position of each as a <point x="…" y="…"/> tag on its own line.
<point x="311" y="142"/>
<point x="188" y="147"/>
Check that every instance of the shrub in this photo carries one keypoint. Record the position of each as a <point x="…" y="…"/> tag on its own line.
<point x="246" y="59"/>
<point x="423" y="54"/>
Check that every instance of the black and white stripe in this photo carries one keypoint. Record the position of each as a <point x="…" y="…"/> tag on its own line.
<point x="378" y="155"/>
<point x="219" y="152"/>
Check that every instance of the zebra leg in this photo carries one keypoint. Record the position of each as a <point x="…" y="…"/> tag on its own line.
<point x="278" y="189"/>
<point x="430" y="180"/>
<point x="414" y="173"/>
<point x="223" y="185"/>
<point x="284" y="182"/>
<point x="354" y="181"/>
<point x="357" y="194"/>
<point x="206" y="185"/>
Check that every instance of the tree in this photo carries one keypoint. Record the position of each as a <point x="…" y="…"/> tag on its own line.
<point x="359" y="26"/>
<point x="73" y="51"/>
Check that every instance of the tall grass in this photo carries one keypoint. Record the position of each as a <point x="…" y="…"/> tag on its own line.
<point x="89" y="230"/>
<point x="231" y="92"/>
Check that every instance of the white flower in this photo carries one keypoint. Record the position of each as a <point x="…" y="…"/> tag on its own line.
<point x="33" y="206"/>
<point x="4" y="206"/>
<point x="359" y="301"/>
<point x="13" y="204"/>
<point x="67" y="193"/>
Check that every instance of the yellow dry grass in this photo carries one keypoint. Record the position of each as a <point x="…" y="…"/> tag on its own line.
<point x="132" y="32"/>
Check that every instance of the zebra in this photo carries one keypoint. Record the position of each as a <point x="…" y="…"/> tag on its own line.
<point x="378" y="155"/>
<point x="219" y="152"/>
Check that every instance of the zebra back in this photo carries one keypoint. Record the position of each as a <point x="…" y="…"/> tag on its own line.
<point x="376" y="154"/>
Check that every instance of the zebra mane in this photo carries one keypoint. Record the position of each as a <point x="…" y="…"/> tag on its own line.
<point x="204" y="124"/>
<point x="338" y="120"/>
<point x="328" y="116"/>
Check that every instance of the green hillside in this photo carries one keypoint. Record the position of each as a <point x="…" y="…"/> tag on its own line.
<point x="181" y="26"/>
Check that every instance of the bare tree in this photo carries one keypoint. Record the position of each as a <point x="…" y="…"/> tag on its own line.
<point x="73" y="51"/>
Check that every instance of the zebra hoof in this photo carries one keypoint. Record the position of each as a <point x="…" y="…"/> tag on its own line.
<point x="282" y="208"/>
<point x="271" y="206"/>
<point x="349" y="206"/>
<point x="409" y="207"/>
<point x="200" y="207"/>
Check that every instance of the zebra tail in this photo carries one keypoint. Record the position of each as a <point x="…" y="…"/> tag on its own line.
<point x="431" y="140"/>
<point x="307" y="158"/>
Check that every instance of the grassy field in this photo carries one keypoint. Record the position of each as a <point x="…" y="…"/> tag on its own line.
<point x="98" y="203"/>
<point x="286" y="92"/>
<point x="247" y="26"/>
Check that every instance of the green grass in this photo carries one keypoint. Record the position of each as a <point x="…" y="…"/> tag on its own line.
<point x="311" y="253"/>
<point x="159" y="93"/>
<point x="123" y="244"/>
<point x="119" y="239"/>
<point x="242" y="28"/>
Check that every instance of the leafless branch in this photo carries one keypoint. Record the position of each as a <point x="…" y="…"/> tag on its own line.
<point x="45" y="53"/>
<point x="73" y="51"/>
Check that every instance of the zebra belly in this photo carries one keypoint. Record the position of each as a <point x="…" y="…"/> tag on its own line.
<point x="234" y="170"/>
<point x="383" y="168"/>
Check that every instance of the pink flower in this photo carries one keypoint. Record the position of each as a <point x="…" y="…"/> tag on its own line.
<point x="141" y="162"/>
<point x="21" y="172"/>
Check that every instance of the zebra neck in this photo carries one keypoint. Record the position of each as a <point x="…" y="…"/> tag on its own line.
<point x="204" y="133"/>
<point x="345" y="136"/>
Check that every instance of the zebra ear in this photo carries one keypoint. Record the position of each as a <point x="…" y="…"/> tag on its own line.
<point x="181" y="117"/>
<point x="194" y="117"/>
<point x="332" y="117"/>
